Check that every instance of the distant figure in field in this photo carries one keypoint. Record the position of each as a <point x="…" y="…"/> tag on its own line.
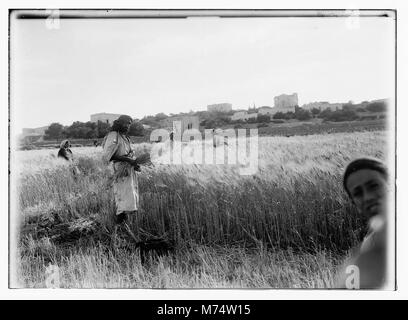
<point x="214" y="138"/>
<point x="65" y="151"/>
<point x="366" y="182"/>
<point x="96" y="143"/>
<point x="218" y="139"/>
<point x="118" y="151"/>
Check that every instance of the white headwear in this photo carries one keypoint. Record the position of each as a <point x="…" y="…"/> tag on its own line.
<point x="63" y="143"/>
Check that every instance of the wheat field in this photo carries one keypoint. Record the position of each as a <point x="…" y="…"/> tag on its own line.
<point x="289" y="225"/>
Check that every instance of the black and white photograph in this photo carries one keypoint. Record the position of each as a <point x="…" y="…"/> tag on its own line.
<point x="202" y="149"/>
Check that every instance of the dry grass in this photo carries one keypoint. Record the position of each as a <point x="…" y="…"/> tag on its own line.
<point x="197" y="267"/>
<point x="286" y="226"/>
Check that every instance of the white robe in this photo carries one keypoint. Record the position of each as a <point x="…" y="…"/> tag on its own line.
<point x="125" y="184"/>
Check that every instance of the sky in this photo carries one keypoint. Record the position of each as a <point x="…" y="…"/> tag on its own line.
<point x="146" y="66"/>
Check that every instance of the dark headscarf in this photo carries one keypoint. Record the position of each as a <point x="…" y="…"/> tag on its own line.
<point x="364" y="163"/>
<point x="64" y="151"/>
<point x="118" y="123"/>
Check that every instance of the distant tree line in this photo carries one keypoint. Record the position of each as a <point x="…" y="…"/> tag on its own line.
<point x="215" y="120"/>
<point x="327" y="114"/>
<point x="348" y="112"/>
<point x="210" y="120"/>
<point x="92" y="130"/>
<point x="86" y="130"/>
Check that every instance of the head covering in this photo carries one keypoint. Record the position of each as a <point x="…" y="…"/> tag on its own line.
<point x="118" y="123"/>
<point x="63" y="143"/>
<point x="364" y="163"/>
<point x="124" y="118"/>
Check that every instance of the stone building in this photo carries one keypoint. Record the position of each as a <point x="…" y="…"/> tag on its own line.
<point x="189" y="122"/>
<point x="322" y="105"/>
<point x="30" y="135"/>
<point x="243" y="115"/>
<point x="186" y="123"/>
<point x="219" y="107"/>
<point x="104" y="117"/>
<point x="34" y="131"/>
<point x="265" y="110"/>
<point x="286" y="101"/>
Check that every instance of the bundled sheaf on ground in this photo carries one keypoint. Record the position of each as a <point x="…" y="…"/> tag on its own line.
<point x="288" y="225"/>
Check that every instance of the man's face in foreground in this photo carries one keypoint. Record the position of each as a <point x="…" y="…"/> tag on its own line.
<point x="368" y="189"/>
<point x="126" y="125"/>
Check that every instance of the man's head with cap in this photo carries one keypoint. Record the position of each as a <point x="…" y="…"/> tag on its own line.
<point x="365" y="181"/>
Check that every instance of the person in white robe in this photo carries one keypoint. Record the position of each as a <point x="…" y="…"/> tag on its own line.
<point x="118" y="151"/>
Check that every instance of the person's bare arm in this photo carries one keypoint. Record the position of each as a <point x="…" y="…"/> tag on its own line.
<point x="126" y="159"/>
<point x="123" y="159"/>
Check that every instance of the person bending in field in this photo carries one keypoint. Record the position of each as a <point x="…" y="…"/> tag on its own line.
<point x="65" y="151"/>
<point x="117" y="150"/>
<point x="366" y="183"/>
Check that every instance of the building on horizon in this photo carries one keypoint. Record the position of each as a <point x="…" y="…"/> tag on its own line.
<point x="34" y="131"/>
<point x="385" y="100"/>
<point x="187" y="123"/>
<point x="322" y="105"/>
<point x="286" y="101"/>
<point x="285" y="109"/>
<point x="243" y="115"/>
<point x="219" y="107"/>
<point x="30" y="135"/>
<point x="104" y="117"/>
<point x="265" y="110"/>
